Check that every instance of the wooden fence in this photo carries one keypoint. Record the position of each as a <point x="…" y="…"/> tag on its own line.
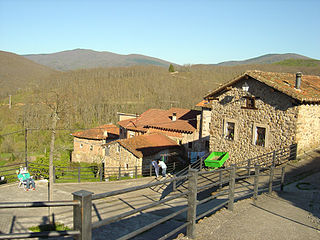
<point x="81" y="174"/>
<point x="226" y="184"/>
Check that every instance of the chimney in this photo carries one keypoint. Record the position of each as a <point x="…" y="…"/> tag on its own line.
<point x="174" y="116"/>
<point x="298" y="80"/>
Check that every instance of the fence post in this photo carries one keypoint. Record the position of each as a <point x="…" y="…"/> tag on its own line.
<point x="54" y="174"/>
<point x="119" y="176"/>
<point x="271" y="179"/>
<point x="274" y="158"/>
<point x="249" y="166"/>
<point x="174" y="184"/>
<point x="231" y="187"/>
<point x="192" y="202"/>
<point x="82" y="214"/>
<point x="150" y="170"/>
<point x="256" y="183"/>
<point x="101" y="169"/>
<point x="220" y="180"/>
<point x="283" y="170"/>
<point x="136" y="172"/>
<point x="174" y="167"/>
<point x="79" y="170"/>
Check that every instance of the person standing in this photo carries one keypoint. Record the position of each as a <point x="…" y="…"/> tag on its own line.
<point x="164" y="168"/>
<point x="156" y="167"/>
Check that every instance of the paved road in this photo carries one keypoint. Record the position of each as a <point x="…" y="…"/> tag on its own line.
<point x="18" y="220"/>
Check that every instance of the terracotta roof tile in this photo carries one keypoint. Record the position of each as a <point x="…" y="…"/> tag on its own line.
<point x="99" y="133"/>
<point x="283" y="82"/>
<point x="162" y="119"/>
<point x="146" y="145"/>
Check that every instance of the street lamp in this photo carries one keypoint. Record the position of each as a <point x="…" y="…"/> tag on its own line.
<point x="245" y="87"/>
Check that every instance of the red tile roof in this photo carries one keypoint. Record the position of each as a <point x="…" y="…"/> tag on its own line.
<point x="283" y="82"/>
<point x="99" y="133"/>
<point x="162" y="119"/>
<point x="146" y="145"/>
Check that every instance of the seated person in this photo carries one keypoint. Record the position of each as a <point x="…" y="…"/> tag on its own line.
<point x="24" y="175"/>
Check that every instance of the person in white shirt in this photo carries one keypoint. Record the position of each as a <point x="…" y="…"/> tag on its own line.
<point x="156" y="167"/>
<point x="163" y="166"/>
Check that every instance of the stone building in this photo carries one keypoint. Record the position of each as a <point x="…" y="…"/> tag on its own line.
<point x="205" y="122"/>
<point x="87" y="144"/>
<point x="138" y="151"/>
<point x="181" y="125"/>
<point x="259" y="112"/>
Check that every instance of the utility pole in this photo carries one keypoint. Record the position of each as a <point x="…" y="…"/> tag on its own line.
<point x="26" y="146"/>
<point x="10" y="103"/>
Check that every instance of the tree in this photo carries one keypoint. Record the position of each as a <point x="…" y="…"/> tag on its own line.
<point x="57" y="104"/>
<point x="171" y="68"/>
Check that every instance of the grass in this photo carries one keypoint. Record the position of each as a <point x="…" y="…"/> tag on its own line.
<point x="3" y="162"/>
<point x="299" y="62"/>
<point x="49" y="227"/>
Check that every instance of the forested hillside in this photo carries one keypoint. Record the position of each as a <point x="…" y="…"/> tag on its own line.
<point x="86" y="58"/>
<point x="88" y="98"/>
<point x="18" y="73"/>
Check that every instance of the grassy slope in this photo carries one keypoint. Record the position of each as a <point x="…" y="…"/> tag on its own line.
<point x="299" y="63"/>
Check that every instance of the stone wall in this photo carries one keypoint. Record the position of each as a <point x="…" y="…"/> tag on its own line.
<point x="205" y="128"/>
<point x="275" y="112"/>
<point x="116" y="156"/>
<point x="308" y="127"/>
<point x="87" y="150"/>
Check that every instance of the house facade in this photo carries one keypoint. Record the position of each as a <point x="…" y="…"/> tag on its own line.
<point x="259" y="112"/>
<point x="138" y="151"/>
<point x="87" y="144"/>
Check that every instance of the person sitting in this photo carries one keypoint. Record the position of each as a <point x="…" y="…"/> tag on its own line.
<point x="26" y="178"/>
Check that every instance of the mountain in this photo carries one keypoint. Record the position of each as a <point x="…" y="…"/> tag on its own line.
<point x="84" y="58"/>
<point x="17" y="72"/>
<point x="265" y="59"/>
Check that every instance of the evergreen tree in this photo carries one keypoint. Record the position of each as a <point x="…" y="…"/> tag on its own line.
<point x="171" y="68"/>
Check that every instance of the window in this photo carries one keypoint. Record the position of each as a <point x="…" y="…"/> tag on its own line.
<point x="250" y="103"/>
<point x="229" y="131"/>
<point x="118" y="148"/>
<point x="260" y="135"/>
<point x="91" y="147"/>
<point x="229" y="134"/>
<point x="107" y="151"/>
<point x="126" y="166"/>
<point x="81" y="145"/>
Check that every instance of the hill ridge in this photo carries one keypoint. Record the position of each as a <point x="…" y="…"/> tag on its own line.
<point x="87" y="58"/>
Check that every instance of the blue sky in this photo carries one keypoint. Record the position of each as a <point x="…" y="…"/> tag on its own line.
<point x="183" y="32"/>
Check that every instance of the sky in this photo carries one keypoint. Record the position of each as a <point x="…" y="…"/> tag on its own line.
<point x="182" y="32"/>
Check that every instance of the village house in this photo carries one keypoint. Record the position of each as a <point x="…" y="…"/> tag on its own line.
<point x="87" y="144"/>
<point x="259" y="112"/>
<point x="138" y="152"/>
<point x="181" y="125"/>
